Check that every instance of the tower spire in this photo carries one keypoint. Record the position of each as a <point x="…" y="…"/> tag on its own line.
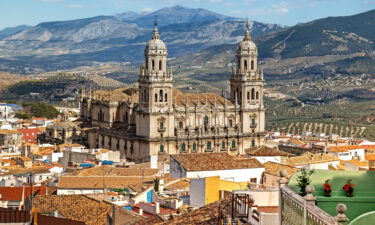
<point x="247" y="33"/>
<point x="156" y="32"/>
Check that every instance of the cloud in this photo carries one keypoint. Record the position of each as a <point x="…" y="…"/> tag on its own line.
<point x="147" y="10"/>
<point x="76" y="6"/>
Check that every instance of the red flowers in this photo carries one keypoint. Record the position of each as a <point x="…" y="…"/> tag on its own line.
<point x="348" y="187"/>
<point x="327" y="187"/>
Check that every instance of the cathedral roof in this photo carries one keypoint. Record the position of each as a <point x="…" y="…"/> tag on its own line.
<point x="155" y="43"/>
<point x="192" y="99"/>
<point x="118" y="95"/>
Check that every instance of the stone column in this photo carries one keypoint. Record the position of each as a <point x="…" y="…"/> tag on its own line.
<point x="281" y="183"/>
<point x="341" y="217"/>
<point x="310" y="199"/>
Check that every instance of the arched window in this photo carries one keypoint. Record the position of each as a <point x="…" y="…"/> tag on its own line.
<point x="165" y="97"/>
<point x="252" y="94"/>
<point x="252" y="64"/>
<point x="153" y="64"/>
<point x="205" y="122"/>
<point x="233" y="144"/>
<point x="223" y="145"/>
<point x="160" y="65"/>
<point x="183" y="147"/>
<point x="253" y="143"/>
<point x="209" y="146"/>
<point x="257" y="95"/>
<point x="248" y="95"/>
<point x="161" y="96"/>
<point x="245" y="64"/>
<point x="161" y="149"/>
<point x="156" y="97"/>
<point x="230" y="123"/>
<point x="194" y="147"/>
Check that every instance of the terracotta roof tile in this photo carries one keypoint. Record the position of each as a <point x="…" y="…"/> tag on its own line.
<point x="265" y="151"/>
<point x="214" y="161"/>
<point x="192" y="99"/>
<point x="99" y="182"/>
<point x="15" y="193"/>
<point x="350" y="147"/>
<point x="274" y="168"/>
<point x="115" y="171"/>
<point x="370" y="157"/>
<point x="309" y="158"/>
<point x="358" y="163"/>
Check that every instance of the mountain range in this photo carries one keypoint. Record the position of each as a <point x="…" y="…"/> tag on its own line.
<point x="121" y="38"/>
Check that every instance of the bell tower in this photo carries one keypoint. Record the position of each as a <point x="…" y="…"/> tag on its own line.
<point x="155" y="80"/>
<point x="246" y="85"/>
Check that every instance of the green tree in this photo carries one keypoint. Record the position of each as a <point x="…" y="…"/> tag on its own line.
<point x="156" y="184"/>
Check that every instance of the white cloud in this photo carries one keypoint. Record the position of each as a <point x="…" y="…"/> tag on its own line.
<point x="76" y="6"/>
<point x="147" y="10"/>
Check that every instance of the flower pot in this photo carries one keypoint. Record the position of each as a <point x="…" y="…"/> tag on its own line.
<point x="327" y="194"/>
<point x="349" y="194"/>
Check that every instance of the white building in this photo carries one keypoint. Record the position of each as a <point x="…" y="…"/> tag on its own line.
<point x="228" y="167"/>
<point x="348" y="152"/>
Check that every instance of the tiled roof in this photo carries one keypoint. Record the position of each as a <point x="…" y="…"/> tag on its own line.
<point x="274" y="168"/>
<point x="265" y="151"/>
<point x="207" y="214"/>
<point x="9" y="132"/>
<point x="99" y="182"/>
<point x="192" y="99"/>
<point x="49" y="220"/>
<point x="370" y="157"/>
<point x="75" y="207"/>
<point x="181" y="184"/>
<point x="15" y="193"/>
<point x="358" y="163"/>
<point x="309" y="158"/>
<point x="350" y="147"/>
<point x="115" y="171"/>
<point x="296" y="141"/>
<point x="118" y="95"/>
<point x="214" y="161"/>
<point x="37" y="169"/>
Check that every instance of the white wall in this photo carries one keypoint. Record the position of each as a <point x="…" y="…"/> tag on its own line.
<point x="320" y="166"/>
<point x="197" y="192"/>
<point x="236" y="175"/>
<point x="263" y="197"/>
<point x="78" y="191"/>
<point x="264" y="159"/>
<point x="349" y="155"/>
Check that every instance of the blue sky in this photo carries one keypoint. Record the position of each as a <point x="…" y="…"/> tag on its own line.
<point x="287" y="12"/>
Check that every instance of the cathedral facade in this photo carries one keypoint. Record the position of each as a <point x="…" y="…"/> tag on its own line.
<point x="154" y="118"/>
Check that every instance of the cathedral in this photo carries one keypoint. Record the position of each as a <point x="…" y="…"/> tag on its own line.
<point x="154" y="118"/>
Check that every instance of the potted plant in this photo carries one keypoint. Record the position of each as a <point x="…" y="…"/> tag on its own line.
<point x="327" y="188"/>
<point x="348" y="187"/>
<point x="303" y="180"/>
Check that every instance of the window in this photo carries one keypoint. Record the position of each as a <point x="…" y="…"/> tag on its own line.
<point x="153" y="64"/>
<point x="230" y="123"/>
<point x="183" y="147"/>
<point x="248" y="95"/>
<point x="253" y="180"/>
<point x="223" y="145"/>
<point x="194" y="147"/>
<point x="161" y="149"/>
<point x="233" y="144"/>
<point x="161" y="125"/>
<point x="257" y="95"/>
<point x="209" y="146"/>
<point x="245" y="64"/>
<point x="253" y="143"/>
<point x="253" y="122"/>
<point x="156" y="97"/>
<point x="252" y="64"/>
<point x="161" y="96"/>
<point x="252" y="94"/>
<point x="205" y="122"/>
<point x="180" y="124"/>
<point x="166" y="97"/>
<point x="160" y="65"/>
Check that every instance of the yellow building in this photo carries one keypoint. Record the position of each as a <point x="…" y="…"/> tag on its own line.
<point x="206" y="190"/>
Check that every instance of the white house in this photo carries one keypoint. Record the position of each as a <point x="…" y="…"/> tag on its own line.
<point x="199" y="165"/>
<point x="266" y="154"/>
<point x="348" y="152"/>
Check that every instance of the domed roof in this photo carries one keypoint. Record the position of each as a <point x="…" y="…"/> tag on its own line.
<point x="155" y="42"/>
<point x="247" y="44"/>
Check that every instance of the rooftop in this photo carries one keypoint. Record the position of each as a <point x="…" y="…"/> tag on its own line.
<point x="214" y="161"/>
<point x="99" y="182"/>
<point x="265" y="151"/>
<point x="274" y="168"/>
<point x="192" y="99"/>
<point x="9" y="132"/>
<point x="309" y="158"/>
<point x="115" y="171"/>
<point x="350" y="147"/>
<point x="75" y="207"/>
<point x="19" y="193"/>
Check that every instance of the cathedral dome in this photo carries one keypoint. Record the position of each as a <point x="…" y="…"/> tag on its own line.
<point x="247" y="45"/>
<point x="156" y="43"/>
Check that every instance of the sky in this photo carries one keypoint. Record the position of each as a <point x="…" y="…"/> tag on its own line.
<point x="286" y="12"/>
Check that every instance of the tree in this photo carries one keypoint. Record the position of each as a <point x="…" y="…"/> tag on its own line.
<point x="304" y="179"/>
<point x="156" y="184"/>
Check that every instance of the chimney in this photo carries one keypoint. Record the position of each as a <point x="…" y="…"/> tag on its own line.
<point x="157" y="207"/>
